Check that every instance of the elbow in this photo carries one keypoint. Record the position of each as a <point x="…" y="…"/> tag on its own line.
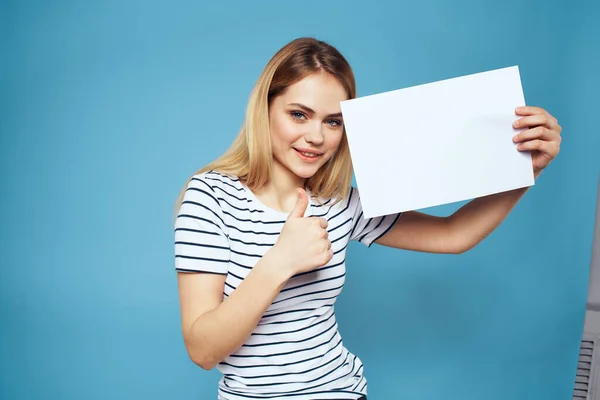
<point x="462" y="247"/>
<point x="461" y="239"/>
<point x="466" y="245"/>
<point x="203" y="362"/>
<point x="201" y="359"/>
<point x="460" y="250"/>
<point x="200" y="352"/>
<point x="205" y="365"/>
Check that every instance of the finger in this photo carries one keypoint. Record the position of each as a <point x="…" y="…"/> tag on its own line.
<point x="324" y="234"/>
<point x="328" y="257"/>
<point x="323" y="223"/>
<point x="540" y="132"/>
<point x="301" y="204"/>
<point x="543" y="146"/>
<point x="529" y="110"/>
<point x="535" y="120"/>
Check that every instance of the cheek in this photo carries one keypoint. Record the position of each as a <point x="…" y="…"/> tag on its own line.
<point x="334" y="140"/>
<point x="284" y="132"/>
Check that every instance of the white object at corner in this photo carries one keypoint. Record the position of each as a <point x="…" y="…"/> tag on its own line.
<point x="437" y="143"/>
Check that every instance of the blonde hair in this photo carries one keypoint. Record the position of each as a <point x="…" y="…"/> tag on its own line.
<point x="250" y="157"/>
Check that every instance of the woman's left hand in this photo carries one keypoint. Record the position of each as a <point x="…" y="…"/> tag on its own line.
<point x="542" y="137"/>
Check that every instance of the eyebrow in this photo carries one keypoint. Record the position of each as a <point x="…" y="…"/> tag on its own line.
<point x="311" y="111"/>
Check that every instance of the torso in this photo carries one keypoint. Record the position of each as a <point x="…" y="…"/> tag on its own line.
<point x="296" y="349"/>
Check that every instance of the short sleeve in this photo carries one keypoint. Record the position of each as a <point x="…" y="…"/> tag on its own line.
<point x="368" y="230"/>
<point x="201" y="240"/>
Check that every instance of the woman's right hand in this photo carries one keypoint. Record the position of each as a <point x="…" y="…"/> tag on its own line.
<point x="303" y="244"/>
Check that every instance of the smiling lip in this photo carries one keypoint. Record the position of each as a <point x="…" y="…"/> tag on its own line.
<point x="308" y="155"/>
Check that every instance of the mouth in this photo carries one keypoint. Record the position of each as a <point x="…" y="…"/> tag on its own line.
<point x="308" y="155"/>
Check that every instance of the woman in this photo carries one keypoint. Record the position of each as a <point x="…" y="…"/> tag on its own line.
<point x="261" y="234"/>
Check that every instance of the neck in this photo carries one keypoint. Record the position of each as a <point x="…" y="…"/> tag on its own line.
<point x="280" y="193"/>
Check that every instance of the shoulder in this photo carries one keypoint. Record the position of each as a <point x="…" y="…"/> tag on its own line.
<point x="209" y="190"/>
<point x="222" y="191"/>
<point x="340" y="205"/>
<point x="352" y="199"/>
<point x="215" y="181"/>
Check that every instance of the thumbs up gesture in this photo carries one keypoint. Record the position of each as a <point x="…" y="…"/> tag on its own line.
<point x="303" y="244"/>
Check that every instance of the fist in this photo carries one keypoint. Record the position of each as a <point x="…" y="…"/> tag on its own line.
<point x="303" y="244"/>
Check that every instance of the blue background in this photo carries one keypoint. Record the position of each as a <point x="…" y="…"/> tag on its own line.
<point x="108" y="106"/>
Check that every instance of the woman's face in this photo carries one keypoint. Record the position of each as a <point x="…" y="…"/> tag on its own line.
<point x="306" y="124"/>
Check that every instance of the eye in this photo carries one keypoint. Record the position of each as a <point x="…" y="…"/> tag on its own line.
<point x="297" y="115"/>
<point x="334" y="122"/>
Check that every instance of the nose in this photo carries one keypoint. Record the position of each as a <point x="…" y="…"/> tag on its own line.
<point x="315" y="135"/>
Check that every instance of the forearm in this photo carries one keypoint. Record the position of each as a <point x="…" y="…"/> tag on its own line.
<point x="222" y="331"/>
<point x="473" y="222"/>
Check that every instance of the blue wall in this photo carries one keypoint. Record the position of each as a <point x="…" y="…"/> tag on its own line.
<point x="106" y="108"/>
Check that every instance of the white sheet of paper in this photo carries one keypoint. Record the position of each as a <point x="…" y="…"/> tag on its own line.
<point x="437" y="143"/>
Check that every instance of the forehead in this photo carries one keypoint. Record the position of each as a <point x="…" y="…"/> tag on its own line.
<point x="321" y="92"/>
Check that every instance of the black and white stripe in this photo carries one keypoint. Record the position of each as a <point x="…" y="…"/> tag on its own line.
<point x="296" y="351"/>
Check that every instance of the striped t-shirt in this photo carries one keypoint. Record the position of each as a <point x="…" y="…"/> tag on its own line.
<point x="295" y="351"/>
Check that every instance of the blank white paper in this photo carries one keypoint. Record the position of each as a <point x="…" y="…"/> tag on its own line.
<point x="437" y="143"/>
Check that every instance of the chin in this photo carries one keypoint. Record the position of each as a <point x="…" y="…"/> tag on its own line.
<point x="305" y="173"/>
